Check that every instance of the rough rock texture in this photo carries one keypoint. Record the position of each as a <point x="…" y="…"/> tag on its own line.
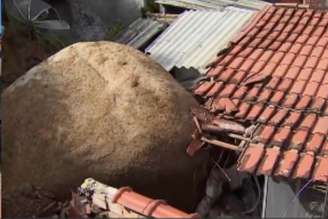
<point x="100" y="110"/>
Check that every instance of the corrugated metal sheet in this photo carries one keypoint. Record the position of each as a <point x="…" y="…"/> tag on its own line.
<point x="140" y="32"/>
<point x="214" y="4"/>
<point x="195" y="38"/>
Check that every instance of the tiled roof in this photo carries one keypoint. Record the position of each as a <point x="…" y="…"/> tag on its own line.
<point x="276" y="75"/>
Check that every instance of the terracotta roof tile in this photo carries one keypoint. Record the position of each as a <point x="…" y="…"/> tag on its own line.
<point x="276" y="75"/>
<point x="315" y="143"/>
<point x="290" y="100"/>
<point x="305" y="74"/>
<point x="308" y="121"/>
<point x="299" y="138"/>
<point x="292" y="119"/>
<point x="303" y="103"/>
<point x="321" y="126"/>
<point x="268" y="162"/>
<point x="266" y="114"/>
<point x="278" y="117"/>
<point x="251" y="158"/>
<point x="203" y="88"/>
<point x="281" y="135"/>
<point x="304" y="167"/>
<point x="287" y="163"/>
<point x="321" y="171"/>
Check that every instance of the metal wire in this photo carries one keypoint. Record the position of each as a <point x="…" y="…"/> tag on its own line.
<point x="259" y="195"/>
<point x="297" y="196"/>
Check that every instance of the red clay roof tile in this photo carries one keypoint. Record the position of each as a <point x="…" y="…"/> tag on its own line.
<point x="321" y="171"/>
<point x="317" y="104"/>
<point x="228" y="90"/>
<point x="215" y="89"/>
<point x="287" y="163"/>
<point x="268" y="162"/>
<point x="243" y="110"/>
<point x="321" y="126"/>
<point x="278" y="117"/>
<point x="292" y="119"/>
<point x="298" y="87"/>
<point x="300" y="61"/>
<point x="203" y="88"/>
<point x="323" y="91"/>
<point x="255" y="112"/>
<point x="238" y="77"/>
<point x="240" y="92"/>
<point x="315" y="143"/>
<point x="305" y="74"/>
<point x="265" y="134"/>
<point x="304" y="167"/>
<point x="324" y="149"/>
<point x="308" y="121"/>
<point x="251" y="158"/>
<point x="273" y="83"/>
<point x="293" y="72"/>
<point x="277" y="97"/>
<point x="317" y="75"/>
<point x="265" y="95"/>
<point x="266" y="114"/>
<point x="281" y="135"/>
<point x="296" y="48"/>
<point x="299" y="138"/>
<point x="252" y="94"/>
<point x="290" y="100"/>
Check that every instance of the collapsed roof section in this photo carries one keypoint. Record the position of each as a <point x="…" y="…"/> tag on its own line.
<point x="275" y="76"/>
<point x="214" y="4"/>
<point x="194" y="39"/>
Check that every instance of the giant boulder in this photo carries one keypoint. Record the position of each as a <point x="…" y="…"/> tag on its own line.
<point x="101" y="110"/>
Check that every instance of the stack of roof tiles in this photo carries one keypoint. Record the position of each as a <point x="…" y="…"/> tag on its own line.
<point x="276" y="75"/>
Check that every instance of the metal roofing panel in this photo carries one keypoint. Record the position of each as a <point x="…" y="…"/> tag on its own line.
<point x="214" y="4"/>
<point x="140" y="32"/>
<point x="195" y="38"/>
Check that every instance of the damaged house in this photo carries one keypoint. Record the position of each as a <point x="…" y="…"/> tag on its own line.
<point x="269" y="92"/>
